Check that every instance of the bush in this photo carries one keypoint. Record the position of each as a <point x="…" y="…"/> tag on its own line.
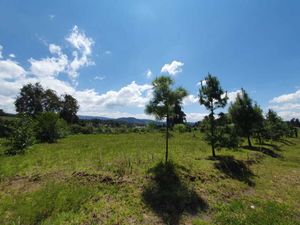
<point x="181" y="128"/>
<point x="6" y="127"/>
<point x="76" y="129"/>
<point x="22" y="135"/>
<point x="50" y="127"/>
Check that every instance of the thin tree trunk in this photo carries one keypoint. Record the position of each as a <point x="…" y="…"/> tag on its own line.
<point x="167" y="138"/>
<point x="212" y="133"/>
<point x="249" y="141"/>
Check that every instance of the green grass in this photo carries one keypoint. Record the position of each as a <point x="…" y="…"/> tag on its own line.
<point x="119" y="179"/>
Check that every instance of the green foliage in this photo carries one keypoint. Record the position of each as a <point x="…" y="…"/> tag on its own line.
<point x="69" y="109"/>
<point x="50" y="101"/>
<point x="50" y="127"/>
<point x="212" y="96"/>
<point x="225" y="133"/>
<point x="181" y="128"/>
<point x="22" y="135"/>
<point x="275" y="127"/>
<point x="246" y="116"/>
<point x="33" y="99"/>
<point x="164" y="100"/>
<point x="6" y="127"/>
<point x="30" y="99"/>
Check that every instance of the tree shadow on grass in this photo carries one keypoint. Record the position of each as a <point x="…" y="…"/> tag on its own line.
<point x="273" y="146"/>
<point x="236" y="169"/>
<point x="286" y="142"/>
<point x="169" y="197"/>
<point x="263" y="150"/>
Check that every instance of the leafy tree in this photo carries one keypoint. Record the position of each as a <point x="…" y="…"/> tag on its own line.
<point x="258" y="126"/>
<point x="50" y="127"/>
<point x="178" y="117"/>
<point x="212" y="96"/>
<point x="69" y="109"/>
<point x="163" y="102"/>
<point x="275" y="127"/>
<point x="22" y="135"/>
<point x="295" y="122"/>
<point x="245" y="115"/>
<point x="33" y="99"/>
<point x="29" y="100"/>
<point x="50" y="101"/>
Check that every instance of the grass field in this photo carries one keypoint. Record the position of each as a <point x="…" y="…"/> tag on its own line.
<point x="119" y="179"/>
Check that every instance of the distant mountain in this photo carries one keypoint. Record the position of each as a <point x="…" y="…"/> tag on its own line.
<point x="94" y="118"/>
<point x="135" y="120"/>
<point x="122" y="119"/>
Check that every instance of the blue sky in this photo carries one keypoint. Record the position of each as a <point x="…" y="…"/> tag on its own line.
<point x="106" y="53"/>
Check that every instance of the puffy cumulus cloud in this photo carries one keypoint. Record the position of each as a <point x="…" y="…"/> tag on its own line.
<point x="173" y="68"/>
<point x="131" y="95"/>
<point x="55" y="49"/>
<point x="80" y="41"/>
<point x="81" y="56"/>
<point x="59" y="62"/>
<point x="191" y="99"/>
<point x="10" y="69"/>
<point x="50" y="66"/>
<point x="45" y="70"/>
<point x="195" y="117"/>
<point x="232" y="95"/>
<point x="287" y="105"/>
<point x="12" y="55"/>
<point x="291" y="97"/>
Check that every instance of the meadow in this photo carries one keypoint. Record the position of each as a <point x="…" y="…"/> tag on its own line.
<point x="121" y="179"/>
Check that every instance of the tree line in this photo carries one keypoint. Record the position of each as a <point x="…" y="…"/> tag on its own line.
<point x="244" y="118"/>
<point x="44" y="116"/>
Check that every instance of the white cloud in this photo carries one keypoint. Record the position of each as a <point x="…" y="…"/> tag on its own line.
<point x="203" y="82"/>
<point x="291" y="97"/>
<point x="190" y="99"/>
<point x="173" y="68"/>
<point x="107" y="52"/>
<point x="83" y="50"/>
<point x="99" y="77"/>
<point x="148" y="73"/>
<point x="50" y="66"/>
<point x="287" y="105"/>
<point x="12" y="55"/>
<point x="10" y="69"/>
<point x="194" y="117"/>
<point x="232" y="95"/>
<point x="80" y="41"/>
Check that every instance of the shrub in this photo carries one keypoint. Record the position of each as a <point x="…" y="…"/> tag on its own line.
<point x="76" y="129"/>
<point x="50" y="127"/>
<point x="181" y="128"/>
<point x="22" y="135"/>
<point x="6" y="127"/>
